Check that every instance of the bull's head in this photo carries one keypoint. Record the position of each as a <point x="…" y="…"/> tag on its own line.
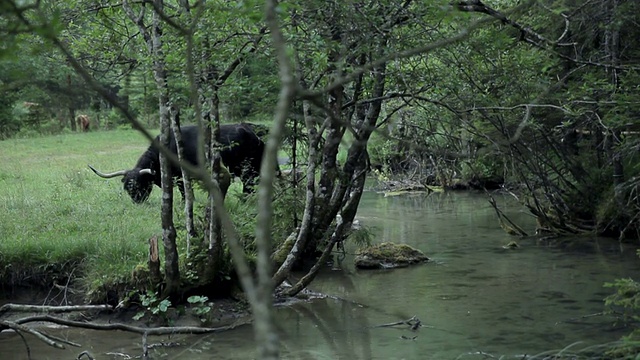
<point x="137" y="182"/>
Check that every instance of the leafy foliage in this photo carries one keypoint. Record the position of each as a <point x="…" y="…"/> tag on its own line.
<point x="542" y="99"/>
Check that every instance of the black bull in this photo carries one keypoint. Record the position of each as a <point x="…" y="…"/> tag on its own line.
<point x="241" y="152"/>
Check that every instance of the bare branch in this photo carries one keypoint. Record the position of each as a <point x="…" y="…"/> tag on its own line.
<point x="340" y="81"/>
<point x="529" y="36"/>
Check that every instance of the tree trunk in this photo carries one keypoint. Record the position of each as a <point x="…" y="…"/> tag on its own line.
<point x="187" y="188"/>
<point x="306" y="225"/>
<point x="214" y="253"/>
<point x="72" y="108"/>
<point x="72" y="118"/>
<point x="153" y="40"/>
<point x="342" y="226"/>
<point x="171" y="270"/>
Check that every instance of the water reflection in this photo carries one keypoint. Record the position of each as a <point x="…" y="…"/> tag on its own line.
<point x="475" y="298"/>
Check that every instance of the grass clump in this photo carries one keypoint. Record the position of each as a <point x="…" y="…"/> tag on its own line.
<point x="58" y="217"/>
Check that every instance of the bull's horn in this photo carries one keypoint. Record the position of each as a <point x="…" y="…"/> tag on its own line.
<point x="146" y="171"/>
<point x="108" y="175"/>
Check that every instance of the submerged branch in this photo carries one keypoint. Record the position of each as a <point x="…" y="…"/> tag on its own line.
<point x="165" y="330"/>
<point x="52" y="309"/>
<point x="19" y="328"/>
<point x="509" y="226"/>
<point x="413" y="322"/>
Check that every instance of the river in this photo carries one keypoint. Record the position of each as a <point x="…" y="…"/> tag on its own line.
<point x="475" y="299"/>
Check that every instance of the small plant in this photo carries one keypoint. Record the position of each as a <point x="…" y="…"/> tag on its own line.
<point x="154" y="306"/>
<point x="625" y="304"/>
<point x="361" y="235"/>
<point x="200" y="307"/>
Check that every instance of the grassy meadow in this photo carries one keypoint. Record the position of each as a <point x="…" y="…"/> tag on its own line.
<point x="58" y="217"/>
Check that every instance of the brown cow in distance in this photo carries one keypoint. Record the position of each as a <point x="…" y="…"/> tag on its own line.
<point x="83" y="122"/>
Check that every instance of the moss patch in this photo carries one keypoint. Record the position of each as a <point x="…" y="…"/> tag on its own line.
<point x="388" y="255"/>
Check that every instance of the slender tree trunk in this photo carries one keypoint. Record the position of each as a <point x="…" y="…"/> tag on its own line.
<point x="72" y="108"/>
<point x="214" y="225"/>
<point x="342" y="226"/>
<point x="153" y="39"/>
<point x="187" y="188"/>
<point x="310" y="199"/>
<point x="72" y="118"/>
<point x="294" y="165"/>
<point x="171" y="270"/>
<point x="348" y="191"/>
<point x="329" y="168"/>
<point x="612" y="49"/>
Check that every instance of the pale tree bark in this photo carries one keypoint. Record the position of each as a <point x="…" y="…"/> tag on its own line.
<point x="213" y="80"/>
<point x="153" y="40"/>
<point x="171" y="270"/>
<point x="260" y="293"/>
<point x="187" y="188"/>
<point x="310" y="198"/>
<point x="335" y="132"/>
<point x="350" y="186"/>
<point x="214" y="226"/>
<point x="343" y="224"/>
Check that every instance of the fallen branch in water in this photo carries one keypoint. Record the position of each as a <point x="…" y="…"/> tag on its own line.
<point x="85" y="353"/>
<point x="509" y="226"/>
<point x="413" y="322"/>
<point x="165" y="330"/>
<point x="575" y="320"/>
<point x="19" y="328"/>
<point x="52" y="309"/>
<point x="54" y="341"/>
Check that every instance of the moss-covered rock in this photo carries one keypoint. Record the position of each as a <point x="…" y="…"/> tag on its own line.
<point x="388" y="255"/>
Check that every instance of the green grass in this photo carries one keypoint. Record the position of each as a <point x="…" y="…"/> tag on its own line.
<point x="58" y="218"/>
<point x="57" y="213"/>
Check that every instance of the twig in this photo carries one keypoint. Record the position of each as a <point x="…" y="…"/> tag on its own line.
<point x="574" y="319"/>
<point x="25" y="344"/>
<point x="87" y="354"/>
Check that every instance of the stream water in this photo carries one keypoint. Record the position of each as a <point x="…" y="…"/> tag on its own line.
<point x="475" y="299"/>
